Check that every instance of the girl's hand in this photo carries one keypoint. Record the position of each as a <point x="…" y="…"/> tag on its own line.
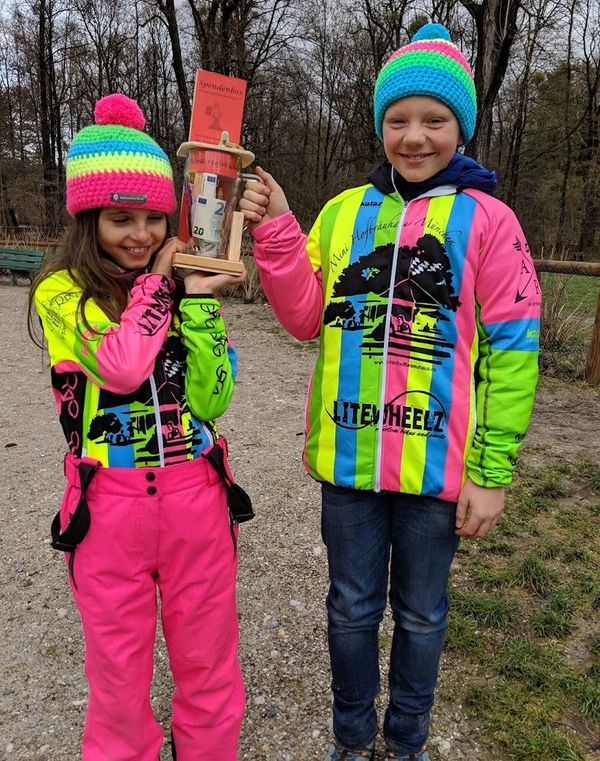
<point x="163" y="261"/>
<point x="203" y="282"/>
<point x="262" y="200"/>
<point x="478" y="509"/>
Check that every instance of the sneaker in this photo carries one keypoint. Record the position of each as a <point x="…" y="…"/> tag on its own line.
<point x="336" y="752"/>
<point x="422" y="755"/>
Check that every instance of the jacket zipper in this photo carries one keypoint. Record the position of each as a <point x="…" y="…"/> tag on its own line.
<point x="386" y="341"/>
<point x="159" y="439"/>
<point x="439" y="191"/>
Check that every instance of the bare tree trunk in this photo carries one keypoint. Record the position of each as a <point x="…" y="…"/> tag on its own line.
<point x="590" y="221"/>
<point x="48" y="168"/>
<point x="206" y="17"/>
<point x="21" y="139"/>
<point x="55" y="130"/>
<point x="496" y="22"/>
<point x="322" y="51"/>
<point x="537" y="20"/>
<point x="167" y="8"/>
<point x="8" y="100"/>
<point x="385" y="27"/>
<point x="592" y="370"/>
<point x="562" y="213"/>
<point x="8" y="219"/>
<point x="589" y="162"/>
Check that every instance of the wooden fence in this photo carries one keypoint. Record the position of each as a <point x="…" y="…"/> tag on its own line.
<point x="592" y="269"/>
<point x="557" y="266"/>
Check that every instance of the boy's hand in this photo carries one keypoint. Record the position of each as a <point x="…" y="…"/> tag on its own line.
<point x="163" y="261"/>
<point x="204" y="282"/>
<point x="478" y="509"/>
<point x="262" y="200"/>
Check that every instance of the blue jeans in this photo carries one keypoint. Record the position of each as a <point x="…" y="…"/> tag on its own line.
<point x="359" y="529"/>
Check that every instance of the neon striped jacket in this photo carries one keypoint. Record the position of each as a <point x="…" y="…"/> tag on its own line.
<point x="143" y="392"/>
<point x="428" y="314"/>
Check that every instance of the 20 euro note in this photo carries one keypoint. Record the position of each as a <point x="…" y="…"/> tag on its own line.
<point x="207" y="221"/>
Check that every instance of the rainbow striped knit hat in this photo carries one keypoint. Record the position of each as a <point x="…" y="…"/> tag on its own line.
<point x="114" y="163"/>
<point x="429" y="65"/>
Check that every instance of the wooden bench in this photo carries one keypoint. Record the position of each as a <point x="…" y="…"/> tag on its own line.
<point x="20" y="261"/>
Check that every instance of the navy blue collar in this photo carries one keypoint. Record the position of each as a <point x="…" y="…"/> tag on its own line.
<point x="462" y="171"/>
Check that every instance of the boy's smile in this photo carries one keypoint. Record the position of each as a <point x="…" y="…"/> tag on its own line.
<point x="420" y="136"/>
<point x="131" y="236"/>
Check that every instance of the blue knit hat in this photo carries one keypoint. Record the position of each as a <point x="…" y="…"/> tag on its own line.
<point x="429" y="65"/>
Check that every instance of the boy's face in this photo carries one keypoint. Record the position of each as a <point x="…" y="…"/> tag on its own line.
<point x="420" y="136"/>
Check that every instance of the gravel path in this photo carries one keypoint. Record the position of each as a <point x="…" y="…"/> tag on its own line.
<point x="282" y="579"/>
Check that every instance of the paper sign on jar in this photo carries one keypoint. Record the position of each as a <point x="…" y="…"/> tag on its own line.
<point x="214" y="162"/>
<point x="218" y="106"/>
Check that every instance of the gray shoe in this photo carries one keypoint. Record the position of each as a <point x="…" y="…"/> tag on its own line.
<point x="420" y="756"/>
<point x="336" y="752"/>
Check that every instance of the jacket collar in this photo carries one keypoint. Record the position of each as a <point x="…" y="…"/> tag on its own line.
<point x="462" y="172"/>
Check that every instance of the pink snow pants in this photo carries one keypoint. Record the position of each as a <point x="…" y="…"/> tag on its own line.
<point x="165" y="528"/>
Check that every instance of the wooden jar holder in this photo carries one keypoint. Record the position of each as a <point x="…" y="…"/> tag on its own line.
<point x="233" y="222"/>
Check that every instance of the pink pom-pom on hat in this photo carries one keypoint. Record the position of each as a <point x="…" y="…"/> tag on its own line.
<point x="115" y="163"/>
<point x="119" y="109"/>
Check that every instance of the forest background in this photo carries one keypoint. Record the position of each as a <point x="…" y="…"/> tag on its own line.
<point x="310" y="67"/>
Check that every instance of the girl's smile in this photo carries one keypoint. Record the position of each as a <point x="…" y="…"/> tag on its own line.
<point x="130" y="237"/>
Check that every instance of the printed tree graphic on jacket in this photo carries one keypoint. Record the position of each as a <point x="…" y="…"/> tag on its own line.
<point x="422" y="292"/>
<point x="130" y="420"/>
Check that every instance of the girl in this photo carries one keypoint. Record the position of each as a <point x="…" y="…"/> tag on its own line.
<point x="140" y="368"/>
<point x="422" y="290"/>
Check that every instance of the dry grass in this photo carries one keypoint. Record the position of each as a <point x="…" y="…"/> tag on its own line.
<point x="562" y="321"/>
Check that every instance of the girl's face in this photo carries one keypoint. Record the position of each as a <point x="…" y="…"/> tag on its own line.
<point x="131" y="236"/>
<point x="420" y="136"/>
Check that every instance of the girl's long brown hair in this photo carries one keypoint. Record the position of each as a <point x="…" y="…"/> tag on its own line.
<point x="97" y="276"/>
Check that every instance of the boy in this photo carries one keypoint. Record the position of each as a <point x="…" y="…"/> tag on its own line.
<point x="422" y="289"/>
